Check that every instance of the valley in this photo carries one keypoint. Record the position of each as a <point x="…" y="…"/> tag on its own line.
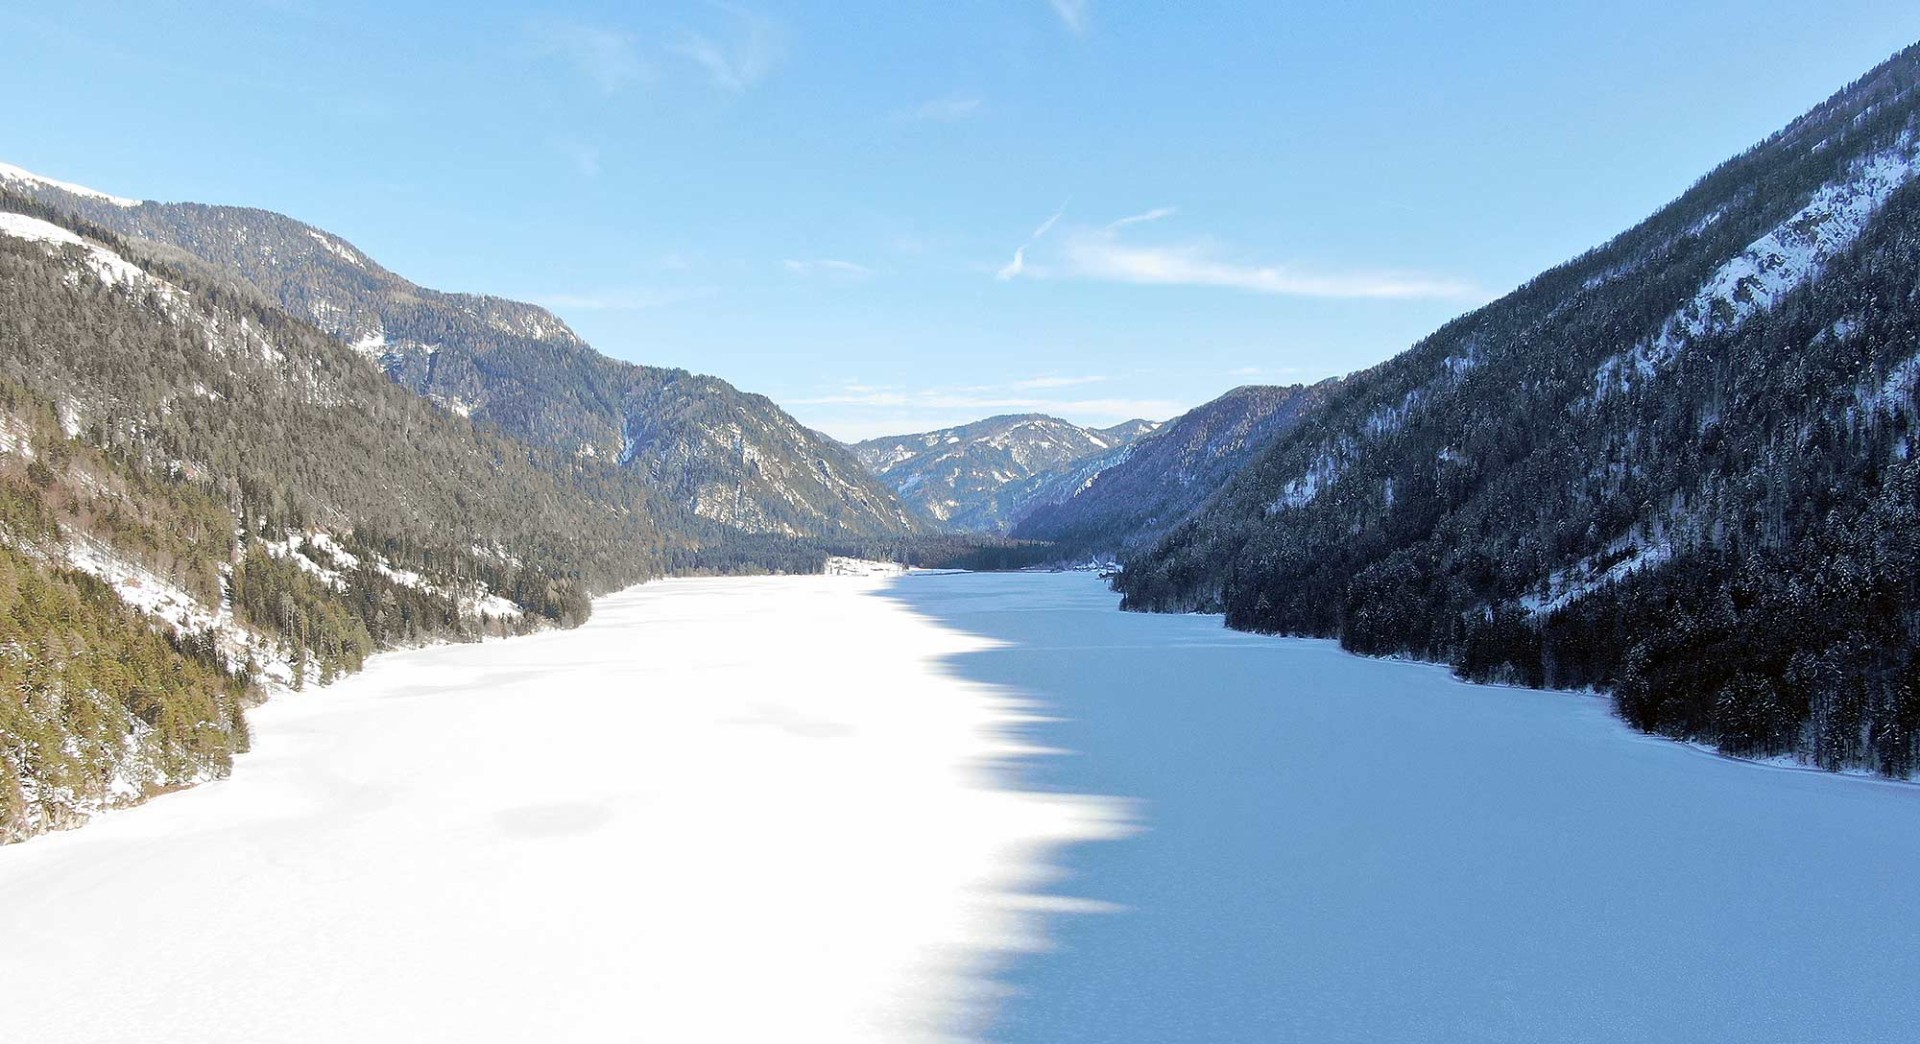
<point x="1038" y="522"/>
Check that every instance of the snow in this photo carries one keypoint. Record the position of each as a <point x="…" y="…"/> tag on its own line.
<point x="740" y="809"/>
<point x="170" y="604"/>
<point x="471" y="598"/>
<point x="292" y="549"/>
<point x="11" y="173"/>
<point x="1569" y="585"/>
<point x="141" y="588"/>
<point x="809" y="809"/>
<point x="110" y="267"/>
<point x="371" y="345"/>
<point x="1389" y="420"/>
<point x="1896" y="391"/>
<point x="1302" y="491"/>
<point x="1789" y="256"/>
<point x="452" y="404"/>
<point x="490" y="604"/>
<point x="15" y="437"/>
<point x="337" y="248"/>
<point x="325" y="542"/>
<point x="841" y="566"/>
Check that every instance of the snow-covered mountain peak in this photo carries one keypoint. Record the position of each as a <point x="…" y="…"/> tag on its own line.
<point x="16" y="175"/>
<point x="979" y="476"/>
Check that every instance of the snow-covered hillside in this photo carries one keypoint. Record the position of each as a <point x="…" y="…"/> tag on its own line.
<point x="981" y="476"/>
<point x="726" y="457"/>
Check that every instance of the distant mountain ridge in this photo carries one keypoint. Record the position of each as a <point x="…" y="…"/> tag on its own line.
<point x="732" y="458"/>
<point x="980" y="476"/>
<point x="1126" y="501"/>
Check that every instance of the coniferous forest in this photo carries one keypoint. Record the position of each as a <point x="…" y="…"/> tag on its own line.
<point x="1679" y="468"/>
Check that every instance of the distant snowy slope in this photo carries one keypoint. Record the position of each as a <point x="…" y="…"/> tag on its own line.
<point x="980" y="476"/>
<point x="1124" y="501"/>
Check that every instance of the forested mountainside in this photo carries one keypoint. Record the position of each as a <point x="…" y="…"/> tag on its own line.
<point x="1125" y="503"/>
<point x="979" y="477"/>
<point x="200" y="492"/>
<point x="1680" y="467"/>
<point x="732" y="458"/>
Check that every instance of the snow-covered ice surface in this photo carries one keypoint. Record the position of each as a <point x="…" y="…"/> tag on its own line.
<point x="1340" y="849"/>
<point x="790" y="810"/>
<point x="728" y="810"/>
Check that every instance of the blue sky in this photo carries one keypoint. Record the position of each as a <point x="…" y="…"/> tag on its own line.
<point x="894" y="216"/>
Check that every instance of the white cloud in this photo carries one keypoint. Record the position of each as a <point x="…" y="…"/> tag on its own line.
<point x="827" y="266"/>
<point x="951" y="109"/>
<point x="607" y="58"/>
<point x="740" y="58"/>
<point x="1103" y="255"/>
<point x="1072" y="12"/>
<point x="1018" y="266"/>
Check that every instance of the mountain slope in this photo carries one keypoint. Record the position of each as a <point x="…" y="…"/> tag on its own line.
<point x="1679" y="467"/>
<point x="732" y="458"/>
<point x="1134" y="496"/>
<point x="979" y="476"/>
<point x="201" y="495"/>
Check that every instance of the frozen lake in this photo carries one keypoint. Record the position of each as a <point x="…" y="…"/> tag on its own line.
<point x="807" y="809"/>
<point x="1342" y="849"/>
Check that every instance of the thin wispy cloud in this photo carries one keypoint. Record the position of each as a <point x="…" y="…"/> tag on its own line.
<point x="740" y="57"/>
<point x="951" y="109"/>
<point x="607" y="58"/>
<point x="1103" y="254"/>
<point x="1140" y="219"/>
<point x="1018" y="266"/>
<point x="1106" y="258"/>
<point x="1072" y="12"/>
<point x="827" y="266"/>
